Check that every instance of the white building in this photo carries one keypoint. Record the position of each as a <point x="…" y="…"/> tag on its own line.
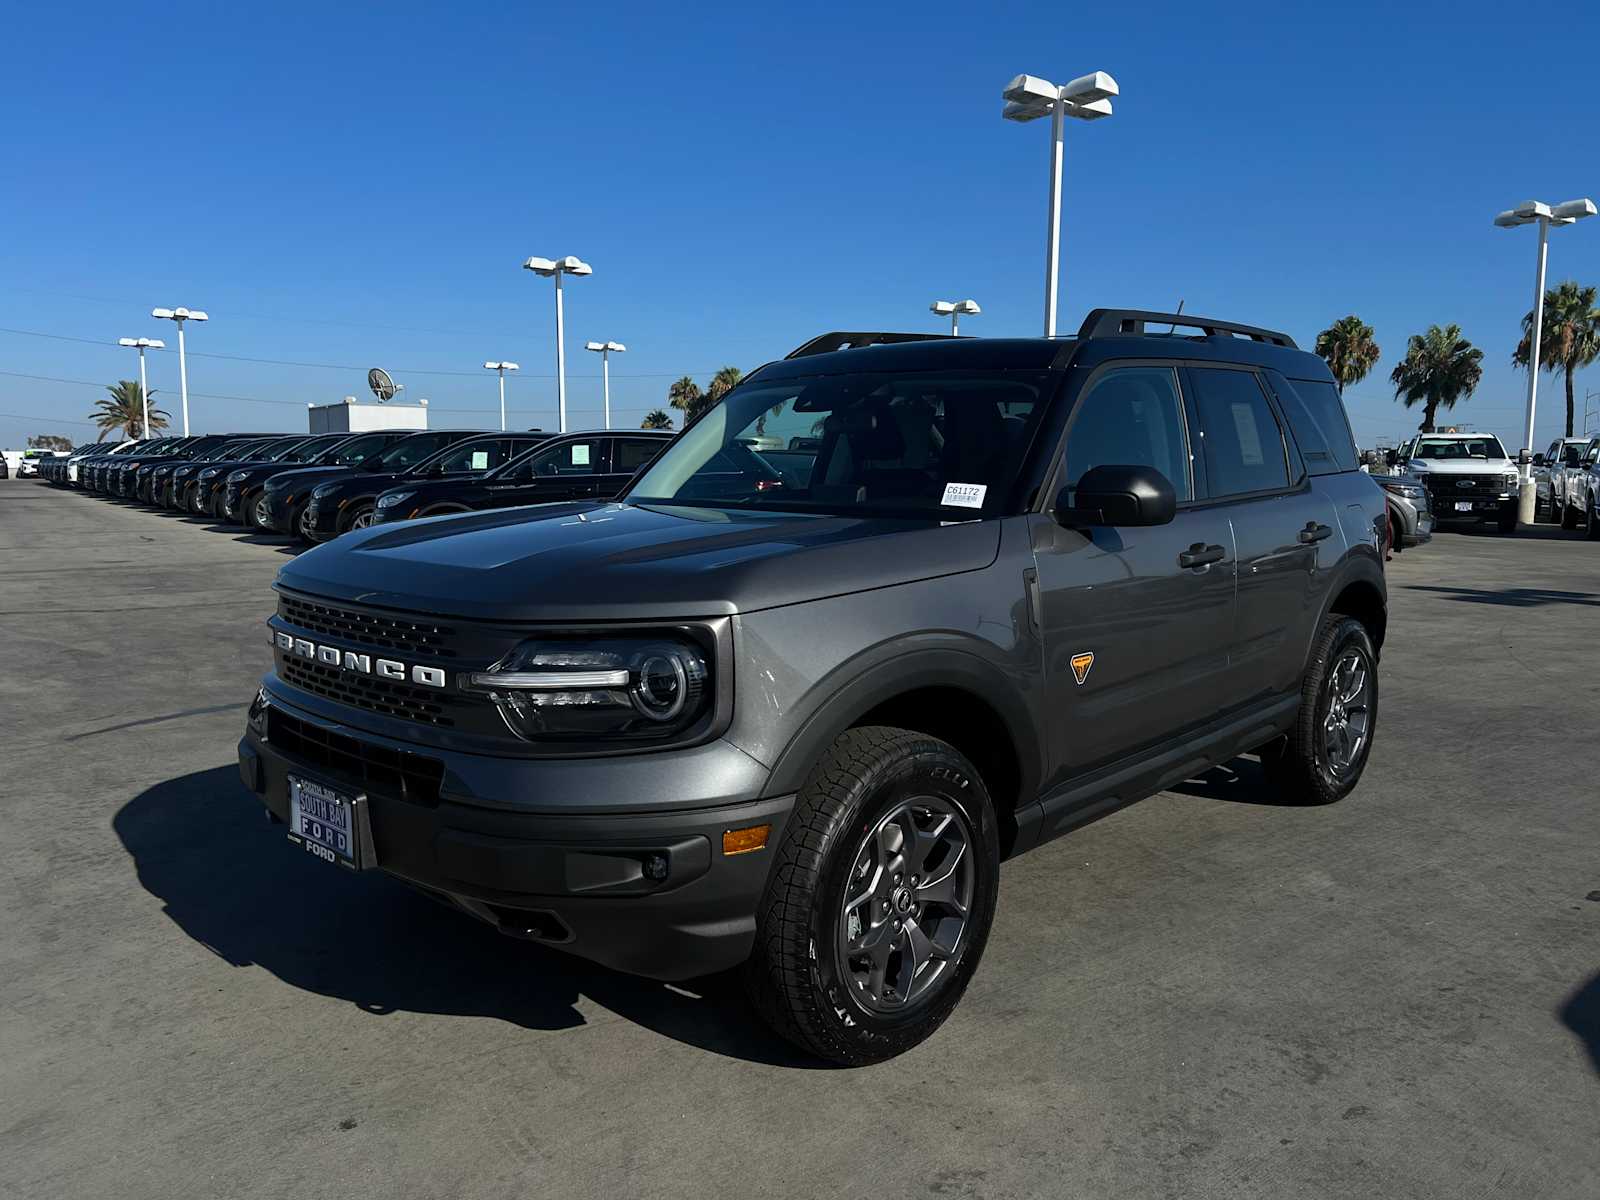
<point x="355" y="416"/>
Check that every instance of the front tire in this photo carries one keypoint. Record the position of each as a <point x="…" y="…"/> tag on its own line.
<point x="1323" y="756"/>
<point x="1570" y="517"/>
<point x="362" y="518"/>
<point x="1506" y="522"/>
<point x="259" y="516"/>
<point x="880" y="899"/>
<point x="1591" y="529"/>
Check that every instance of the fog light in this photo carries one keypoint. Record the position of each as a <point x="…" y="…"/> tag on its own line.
<point x="655" y="867"/>
<point x="743" y="841"/>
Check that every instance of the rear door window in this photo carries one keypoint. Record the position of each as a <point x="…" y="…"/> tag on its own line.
<point x="629" y="454"/>
<point x="1244" y="450"/>
<point x="1320" y="425"/>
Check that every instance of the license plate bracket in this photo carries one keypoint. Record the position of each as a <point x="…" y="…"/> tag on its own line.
<point x="330" y="823"/>
<point x="1463" y="505"/>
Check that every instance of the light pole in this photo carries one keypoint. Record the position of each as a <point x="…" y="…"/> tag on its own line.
<point x="569" y="265"/>
<point x="1527" y="213"/>
<point x="143" y="344"/>
<point x="954" y="310"/>
<point x="1088" y="98"/>
<point x="502" y="367"/>
<point x="180" y="315"/>
<point x="605" y="350"/>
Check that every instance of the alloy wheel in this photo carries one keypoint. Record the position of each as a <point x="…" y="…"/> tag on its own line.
<point x="906" y="904"/>
<point x="1349" y="711"/>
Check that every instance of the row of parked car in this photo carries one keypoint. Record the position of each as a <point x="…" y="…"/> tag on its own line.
<point x="1441" y="477"/>
<point x="315" y="487"/>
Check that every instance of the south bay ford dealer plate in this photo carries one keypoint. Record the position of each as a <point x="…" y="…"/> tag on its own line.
<point x="327" y="822"/>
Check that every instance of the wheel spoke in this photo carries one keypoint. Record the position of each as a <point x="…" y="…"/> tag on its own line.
<point x="925" y="841"/>
<point x="941" y="888"/>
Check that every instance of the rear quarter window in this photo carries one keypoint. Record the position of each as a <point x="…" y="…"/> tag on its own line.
<point x="1321" y="428"/>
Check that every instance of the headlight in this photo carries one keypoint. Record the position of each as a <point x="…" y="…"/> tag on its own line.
<point x="1411" y="491"/>
<point x="209" y="473"/>
<point x="237" y="476"/>
<point x="1513" y="479"/>
<point x="632" y="689"/>
<point x="323" y="490"/>
<point x="390" y="499"/>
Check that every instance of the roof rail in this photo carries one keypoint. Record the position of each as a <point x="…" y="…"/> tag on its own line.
<point x="829" y="342"/>
<point x="1131" y="322"/>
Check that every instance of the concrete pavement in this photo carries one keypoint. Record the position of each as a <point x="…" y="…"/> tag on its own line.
<point x="1206" y="995"/>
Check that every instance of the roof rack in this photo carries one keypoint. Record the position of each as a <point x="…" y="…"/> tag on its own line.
<point x="1126" y="322"/>
<point x="829" y="342"/>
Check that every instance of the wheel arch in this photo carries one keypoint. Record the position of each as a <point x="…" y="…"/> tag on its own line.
<point x="949" y="694"/>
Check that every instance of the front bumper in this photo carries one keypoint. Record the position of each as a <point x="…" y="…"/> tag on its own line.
<point x="1481" y="508"/>
<point x="282" y="508"/>
<point x="569" y="873"/>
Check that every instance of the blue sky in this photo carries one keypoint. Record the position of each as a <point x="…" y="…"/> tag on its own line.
<point x="357" y="185"/>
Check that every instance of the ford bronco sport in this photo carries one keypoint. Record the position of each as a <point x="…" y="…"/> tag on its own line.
<point x="893" y="610"/>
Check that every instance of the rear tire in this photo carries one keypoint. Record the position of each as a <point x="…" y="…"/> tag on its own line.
<point x="880" y="899"/>
<point x="1591" y="528"/>
<point x="1323" y="756"/>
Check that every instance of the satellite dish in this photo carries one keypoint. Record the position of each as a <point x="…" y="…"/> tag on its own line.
<point x="382" y="386"/>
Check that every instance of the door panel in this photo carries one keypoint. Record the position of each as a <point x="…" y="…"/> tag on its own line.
<point x="1159" y="634"/>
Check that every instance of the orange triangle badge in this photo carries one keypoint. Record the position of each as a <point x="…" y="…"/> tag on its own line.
<point x="1081" y="664"/>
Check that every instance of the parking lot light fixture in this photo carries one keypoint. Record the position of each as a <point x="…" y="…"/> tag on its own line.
<point x="179" y="316"/>
<point x="605" y="350"/>
<point x="1531" y="212"/>
<point x="1086" y="98"/>
<point x="502" y="367"/>
<point x="555" y="268"/>
<point x="143" y="344"/>
<point x="954" y="309"/>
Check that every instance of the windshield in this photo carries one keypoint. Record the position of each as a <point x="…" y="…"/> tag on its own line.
<point x="356" y="451"/>
<point x="464" y="457"/>
<point x="310" y="448"/>
<point x="408" y="452"/>
<point x="928" y="443"/>
<point x="1484" y="446"/>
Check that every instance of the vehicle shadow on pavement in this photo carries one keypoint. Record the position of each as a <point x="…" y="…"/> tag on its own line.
<point x="236" y="885"/>
<point x="1581" y="1014"/>
<point x="1241" y="780"/>
<point x="1511" y="597"/>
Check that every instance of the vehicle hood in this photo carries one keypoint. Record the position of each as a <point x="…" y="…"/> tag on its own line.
<point x="304" y="476"/>
<point x="591" y="561"/>
<point x="361" y="482"/>
<point x="1462" y="466"/>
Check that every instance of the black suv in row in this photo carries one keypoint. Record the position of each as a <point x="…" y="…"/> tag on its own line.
<point x="895" y="608"/>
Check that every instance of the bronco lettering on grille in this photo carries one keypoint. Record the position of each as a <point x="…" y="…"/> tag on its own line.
<point x="361" y="664"/>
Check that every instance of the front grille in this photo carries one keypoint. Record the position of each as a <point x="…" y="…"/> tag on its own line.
<point x="1466" y="487"/>
<point x="391" y="633"/>
<point x="381" y="696"/>
<point x="413" y="777"/>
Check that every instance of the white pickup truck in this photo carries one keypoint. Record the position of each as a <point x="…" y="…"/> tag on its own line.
<point x="1580" y="486"/>
<point x="1469" y="477"/>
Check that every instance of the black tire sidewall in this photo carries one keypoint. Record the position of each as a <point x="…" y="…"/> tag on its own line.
<point x="1331" y="785"/>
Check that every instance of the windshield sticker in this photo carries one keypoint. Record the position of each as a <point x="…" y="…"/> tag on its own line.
<point x="964" y="495"/>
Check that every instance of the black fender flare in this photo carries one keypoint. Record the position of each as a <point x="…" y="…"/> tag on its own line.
<point x="1363" y="568"/>
<point x="890" y="671"/>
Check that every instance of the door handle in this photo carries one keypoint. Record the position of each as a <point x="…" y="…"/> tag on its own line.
<point x="1200" y="555"/>
<point x="1315" y="533"/>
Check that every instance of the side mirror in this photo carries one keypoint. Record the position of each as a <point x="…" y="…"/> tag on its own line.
<point x="1538" y="460"/>
<point x="1118" y="495"/>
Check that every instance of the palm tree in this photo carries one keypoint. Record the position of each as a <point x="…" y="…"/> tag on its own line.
<point x="685" y="396"/>
<point x="657" y="418"/>
<point x="1570" y="339"/>
<point x="723" y="382"/>
<point x="123" y="411"/>
<point x="1440" y="367"/>
<point x="1349" y="350"/>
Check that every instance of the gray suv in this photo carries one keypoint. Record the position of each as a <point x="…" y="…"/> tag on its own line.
<point x="896" y="609"/>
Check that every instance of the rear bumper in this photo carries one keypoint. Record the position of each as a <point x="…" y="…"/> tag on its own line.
<point x="570" y="878"/>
